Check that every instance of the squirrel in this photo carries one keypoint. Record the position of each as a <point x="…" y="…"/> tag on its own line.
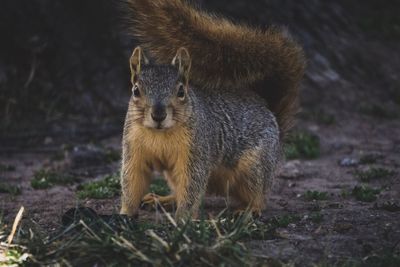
<point x="211" y="111"/>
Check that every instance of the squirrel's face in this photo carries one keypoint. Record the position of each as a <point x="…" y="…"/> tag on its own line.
<point x="159" y="93"/>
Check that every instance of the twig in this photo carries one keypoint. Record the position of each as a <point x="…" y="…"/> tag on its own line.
<point x="153" y="235"/>
<point x="169" y="217"/>
<point x="90" y="230"/>
<point x="216" y="228"/>
<point x="15" y="225"/>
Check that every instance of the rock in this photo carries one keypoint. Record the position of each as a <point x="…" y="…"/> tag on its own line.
<point x="291" y="170"/>
<point x="347" y="162"/>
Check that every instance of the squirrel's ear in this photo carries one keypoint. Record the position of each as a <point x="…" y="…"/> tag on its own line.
<point x="184" y="62"/>
<point x="135" y="62"/>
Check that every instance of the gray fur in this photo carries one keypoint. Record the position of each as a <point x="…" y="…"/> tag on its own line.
<point x="223" y="124"/>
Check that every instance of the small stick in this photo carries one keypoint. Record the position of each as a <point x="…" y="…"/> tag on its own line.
<point x="15" y="225"/>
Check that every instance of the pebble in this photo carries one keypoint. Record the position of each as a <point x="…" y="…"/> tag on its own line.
<point x="347" y="162"/>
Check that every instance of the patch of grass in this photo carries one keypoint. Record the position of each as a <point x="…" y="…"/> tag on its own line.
<point x="6" y="168"/>
<point x="316" y="217"/>
<point x="365" y="193"/>
<point x="43" y="179"/>
<point x="10" y="255"/>
<point x="107" y="187"/>
<point x="159" y="187"/>
<point x="373" y="174"/>
<point x="13" y="256"/>
<point x="110" y="186"/>
<point x="315" y="195"/>
<point x="302" y="145"/>
<point x="10" y="189"/>
<point x="370" y="158"/>
<point x="193" y="243"/>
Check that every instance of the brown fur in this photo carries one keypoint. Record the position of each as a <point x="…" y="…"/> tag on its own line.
<point x="233" y="182"/>
<point x="155" y="150"/>
<point x="152" y="199"/>
<point x="224" y="54"/>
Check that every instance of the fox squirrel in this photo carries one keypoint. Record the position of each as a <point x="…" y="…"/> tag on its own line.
<point x="215" y="118"/>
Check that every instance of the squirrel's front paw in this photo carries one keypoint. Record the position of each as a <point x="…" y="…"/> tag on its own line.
<point x="152" y="200"/>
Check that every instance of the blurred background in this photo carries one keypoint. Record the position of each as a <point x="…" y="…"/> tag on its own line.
<point x="64" y="71"/>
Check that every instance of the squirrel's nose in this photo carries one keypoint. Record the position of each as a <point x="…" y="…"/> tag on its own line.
<point x="158" y="113"/>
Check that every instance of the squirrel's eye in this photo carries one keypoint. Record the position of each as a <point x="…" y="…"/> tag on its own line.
<point x="136" y="91"/>
<point x="181" y="92"/>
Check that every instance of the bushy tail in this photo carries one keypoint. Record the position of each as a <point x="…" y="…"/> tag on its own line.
<point x="223" y="54"/>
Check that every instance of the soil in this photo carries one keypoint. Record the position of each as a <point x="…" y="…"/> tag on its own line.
<point x="352" y="76"/>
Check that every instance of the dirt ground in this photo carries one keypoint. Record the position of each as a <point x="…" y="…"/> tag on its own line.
<point x="349" y="228"/>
